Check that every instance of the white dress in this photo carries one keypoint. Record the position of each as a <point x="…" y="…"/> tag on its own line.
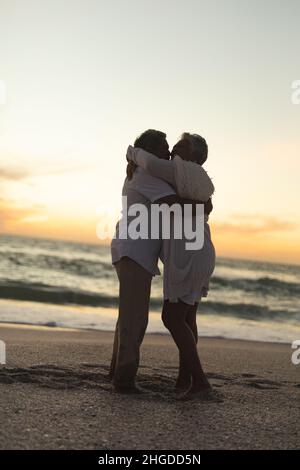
<point x="186" y="272"/>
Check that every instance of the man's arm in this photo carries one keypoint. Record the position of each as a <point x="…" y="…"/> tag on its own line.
<point x="166" y="170"/>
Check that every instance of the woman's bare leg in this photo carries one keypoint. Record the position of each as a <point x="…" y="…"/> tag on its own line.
<point x="184" y="379"/>
<point x="174" y="318"/>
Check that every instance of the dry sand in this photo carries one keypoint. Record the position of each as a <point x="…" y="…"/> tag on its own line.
<point x="54" y="394"/>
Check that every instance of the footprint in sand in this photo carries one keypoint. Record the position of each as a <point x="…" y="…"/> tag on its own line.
<point x="95" y="376"/>
<point x="51" y="376"/>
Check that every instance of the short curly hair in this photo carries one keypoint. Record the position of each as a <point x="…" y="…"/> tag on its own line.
<point x="199" y="146"/>
<point x="150" y="140"/>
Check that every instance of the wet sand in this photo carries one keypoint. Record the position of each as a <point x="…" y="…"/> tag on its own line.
<point x="54" y="394"/>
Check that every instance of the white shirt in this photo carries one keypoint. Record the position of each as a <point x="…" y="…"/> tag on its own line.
<point x="186" y="272"/>
<point x="145" y="189"/>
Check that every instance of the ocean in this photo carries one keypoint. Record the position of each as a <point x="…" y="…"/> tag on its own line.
<point x="73" y="285"/>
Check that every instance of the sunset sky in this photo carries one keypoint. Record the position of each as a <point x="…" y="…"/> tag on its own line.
<point x="84" y="78"/>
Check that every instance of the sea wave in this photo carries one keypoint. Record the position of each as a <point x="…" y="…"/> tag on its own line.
<point x="99" y="269"/>
<point x="262" y="285"/>
<point x="53" y="295"/>
<point x="77" y="266"/>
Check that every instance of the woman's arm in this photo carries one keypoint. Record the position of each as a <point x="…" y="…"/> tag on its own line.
<point x="157" y="167"/>
<point x="195" y="185"/>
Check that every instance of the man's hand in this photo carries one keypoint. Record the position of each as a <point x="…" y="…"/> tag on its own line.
<point x="130" y="153"/>
<point x="131" y="167"/>
<point x="208" y="206"/>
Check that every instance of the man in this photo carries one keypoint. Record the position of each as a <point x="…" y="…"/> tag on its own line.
<point x="136" y="263"/>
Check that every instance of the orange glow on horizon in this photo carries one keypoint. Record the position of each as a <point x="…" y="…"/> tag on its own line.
<point x="230" y="241"/>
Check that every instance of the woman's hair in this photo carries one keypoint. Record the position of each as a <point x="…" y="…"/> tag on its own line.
<point x="150" y="140"/>
<point x="199" y="146"/>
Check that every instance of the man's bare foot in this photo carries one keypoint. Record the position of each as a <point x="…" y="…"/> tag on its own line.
<point x="182" y="385"/>
<point x="110" y="375"/>
<point x="127" y="389"/>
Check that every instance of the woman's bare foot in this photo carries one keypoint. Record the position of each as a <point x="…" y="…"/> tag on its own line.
<point x="206" y="394"/>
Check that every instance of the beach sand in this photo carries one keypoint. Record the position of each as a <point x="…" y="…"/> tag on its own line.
<point x="54" y="394"/>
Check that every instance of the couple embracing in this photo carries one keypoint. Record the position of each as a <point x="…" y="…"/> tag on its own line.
<point x="156" y="176"/>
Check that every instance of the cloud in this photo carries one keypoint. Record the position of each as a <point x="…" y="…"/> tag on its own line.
<point x="12" y="214"/>
<point x="12" y="174"/>
<point x="254" y="225"/>
<point x="18" y="174"/>
<point x="62" y="170"/>
<point x="34" y="218"/>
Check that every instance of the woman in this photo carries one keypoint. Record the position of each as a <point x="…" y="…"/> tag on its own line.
<point x="186" y="272"/>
